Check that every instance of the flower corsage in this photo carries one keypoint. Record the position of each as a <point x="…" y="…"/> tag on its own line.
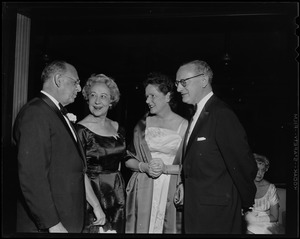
<point x="72" y="117"/>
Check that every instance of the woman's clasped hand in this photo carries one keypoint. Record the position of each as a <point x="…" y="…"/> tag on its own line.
<point x="156" y="167"/>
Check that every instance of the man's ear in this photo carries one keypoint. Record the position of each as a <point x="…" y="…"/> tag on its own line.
<point x="168" y="96"/>
<point x="57" y="80"/>
<point x="204" y="81"/>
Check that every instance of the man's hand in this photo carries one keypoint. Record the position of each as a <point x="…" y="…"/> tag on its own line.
<point x="178" y="197"/>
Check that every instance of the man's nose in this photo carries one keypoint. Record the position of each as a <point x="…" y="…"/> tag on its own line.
<point x="179" y="87"/>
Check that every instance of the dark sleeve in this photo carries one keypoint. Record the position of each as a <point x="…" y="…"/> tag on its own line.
<point x="233" y="144"/>
<point x="122" y="133"/>
<point x="130" y="149"/>
<point x="82" y="134"/>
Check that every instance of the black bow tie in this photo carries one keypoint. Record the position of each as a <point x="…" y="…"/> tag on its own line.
<point x="63" y="110"/>
<point x="193" y="109"/>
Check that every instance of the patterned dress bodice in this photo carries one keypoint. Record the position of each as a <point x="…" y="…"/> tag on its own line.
<point x="163" y="143"/>
<point x="262" y="205"/>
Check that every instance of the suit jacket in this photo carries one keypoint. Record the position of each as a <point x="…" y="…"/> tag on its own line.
<point x="218" y="172"/>
<point x="51" y="169"/>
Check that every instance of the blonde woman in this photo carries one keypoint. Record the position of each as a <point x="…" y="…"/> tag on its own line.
<point x="263" y="219"/>
<point x="104" y="144"/>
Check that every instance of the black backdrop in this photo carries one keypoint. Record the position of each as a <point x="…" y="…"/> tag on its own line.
<point x="250" y="47"/>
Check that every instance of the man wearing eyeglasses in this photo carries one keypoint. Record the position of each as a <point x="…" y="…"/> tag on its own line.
<point x="51" y="163"/>
<point x="218" y="165"/>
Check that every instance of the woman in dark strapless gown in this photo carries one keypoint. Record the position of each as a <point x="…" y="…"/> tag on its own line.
<point x="103" y="141"/>
<point x="103" y="154"/>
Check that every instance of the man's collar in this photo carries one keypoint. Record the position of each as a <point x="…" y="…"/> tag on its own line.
<point x="205" y="98"/>
<point x="51" y="98"/>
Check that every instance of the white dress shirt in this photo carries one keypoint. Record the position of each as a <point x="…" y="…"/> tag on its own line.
<point x="194" y="119"/>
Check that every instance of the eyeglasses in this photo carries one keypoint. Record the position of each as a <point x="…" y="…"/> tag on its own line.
<point x="75" y="82"/>
<point x="183" y="81"/>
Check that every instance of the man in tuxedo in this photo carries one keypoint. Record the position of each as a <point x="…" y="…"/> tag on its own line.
<point x="51" y="163"/>
<point x="218" y="165"/>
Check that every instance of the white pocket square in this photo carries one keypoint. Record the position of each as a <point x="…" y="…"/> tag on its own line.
<point x="201" y="138"/>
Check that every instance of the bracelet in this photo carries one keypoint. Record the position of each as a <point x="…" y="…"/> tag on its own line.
<point x="140" y="167"/>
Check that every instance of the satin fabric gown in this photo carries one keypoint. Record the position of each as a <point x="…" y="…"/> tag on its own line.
<point x="104" y="154"/>
<point x="163" y="144"/>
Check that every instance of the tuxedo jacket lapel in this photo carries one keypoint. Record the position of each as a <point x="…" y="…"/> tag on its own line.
<point x="60" y="115"/>
<point x="184" y="139"/>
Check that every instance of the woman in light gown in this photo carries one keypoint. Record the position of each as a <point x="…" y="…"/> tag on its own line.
<point x="154" y="158"/>
<point x="104" y="144"/>
<point x="263" y="219"/>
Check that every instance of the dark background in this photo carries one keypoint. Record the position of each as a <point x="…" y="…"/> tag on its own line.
<point x="251" y="48"/>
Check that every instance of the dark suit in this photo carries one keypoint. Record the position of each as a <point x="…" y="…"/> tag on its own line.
<point x="219" y="172"/>
<point x="51" y="169"/>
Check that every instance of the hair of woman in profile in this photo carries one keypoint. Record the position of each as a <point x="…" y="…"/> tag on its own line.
<point x="164" y="84"/>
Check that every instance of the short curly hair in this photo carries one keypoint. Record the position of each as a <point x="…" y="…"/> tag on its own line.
<point x="164" y="84"/>
<point x="101" y="78"/>
<point x="263" y="160"/>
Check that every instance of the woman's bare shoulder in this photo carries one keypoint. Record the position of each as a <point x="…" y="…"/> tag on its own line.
<point x="85" y="121"/>
<point x="180" y="119"/>
<point x="115" y="124"/>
